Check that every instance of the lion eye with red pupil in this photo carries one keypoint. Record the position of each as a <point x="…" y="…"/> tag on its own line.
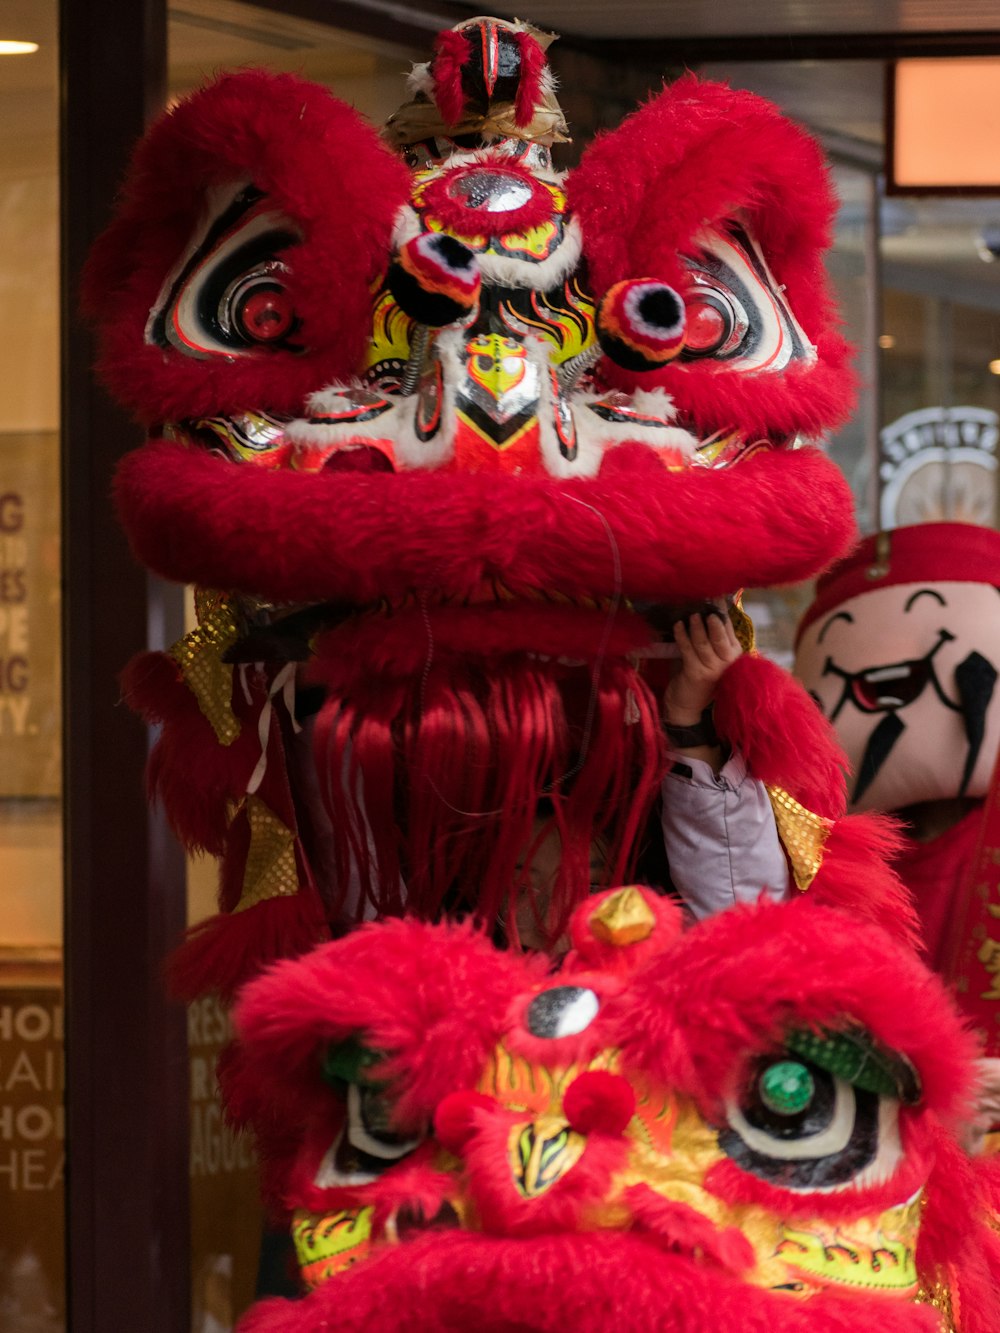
<point x="707" y="326"/>
<point x="265" y="315"/>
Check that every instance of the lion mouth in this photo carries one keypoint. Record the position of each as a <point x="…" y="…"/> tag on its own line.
<point x="277" y="635"/>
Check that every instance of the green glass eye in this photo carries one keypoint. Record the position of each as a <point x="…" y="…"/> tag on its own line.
<point x="349" y="1062"/>
<point x="786" y="1087"/>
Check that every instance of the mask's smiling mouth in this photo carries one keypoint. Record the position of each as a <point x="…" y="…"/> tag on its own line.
<point x="884" y="689"/>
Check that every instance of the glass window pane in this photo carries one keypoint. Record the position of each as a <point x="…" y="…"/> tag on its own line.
<point x="32" y="1285"/>
<point x="940" y="349"/>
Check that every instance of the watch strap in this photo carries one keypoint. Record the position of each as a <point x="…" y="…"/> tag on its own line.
<point x="701" y="732"/>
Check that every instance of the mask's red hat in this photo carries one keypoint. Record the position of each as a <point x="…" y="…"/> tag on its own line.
<point x="924" y="553"/>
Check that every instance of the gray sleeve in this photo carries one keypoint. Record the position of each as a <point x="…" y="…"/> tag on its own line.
<point x="720" y="836"/>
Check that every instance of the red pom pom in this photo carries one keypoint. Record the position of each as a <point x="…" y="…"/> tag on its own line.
<point x="453" y="1119"/>
<point x="599" y="1102"/>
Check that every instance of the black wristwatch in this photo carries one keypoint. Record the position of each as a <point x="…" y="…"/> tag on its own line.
<point x="687" y="738"/>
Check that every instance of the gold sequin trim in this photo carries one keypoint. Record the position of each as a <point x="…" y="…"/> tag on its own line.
<point x="742" y="625"/>
<point x="270" y="869"/>
<point x="199" y="656"/>
<point x="937" y="1295"/>
<point x="803" y="834"/>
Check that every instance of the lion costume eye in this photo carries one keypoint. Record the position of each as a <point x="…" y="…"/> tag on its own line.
<point x="822" y="1114"/>
<point x="368" y="1129"/>
<point x="735" y="312"/>
<point x="367" y="1145"/>
<point x="228" y="297"/>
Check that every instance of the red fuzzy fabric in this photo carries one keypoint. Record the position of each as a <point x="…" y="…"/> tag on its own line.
<point x="726" y="1181"/>
<point x="947" y="1244"/>
<point x="455" y="1118"/>
<point x="683" y="1230"/>
<point x="787" y="742"/>
<point x="459" y="218"/>
<point x="188" y="769"/>
<point x="551" y="1284"/>
<point x="197" y="778"/>
<point x="697" y="154"/>
<point x="222" y="952"/>
<point x="451" y="52"/>
<point x="529" y="88"/>
<point x="432" y="995"/>
<point x="857" y="877"/>
<point x="399" y="645"/>
<point x="297" y="537"/>
<point x="321" y="166"/>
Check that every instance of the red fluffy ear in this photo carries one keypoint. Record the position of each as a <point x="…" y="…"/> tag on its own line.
<point x="529" y="89"/>
<point x="451" y="51"/>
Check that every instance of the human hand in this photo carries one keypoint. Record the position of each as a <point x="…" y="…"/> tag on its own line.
<point x="707" y="646"/>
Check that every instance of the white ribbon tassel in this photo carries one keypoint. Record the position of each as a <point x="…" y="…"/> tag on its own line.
<point x="283" y="684"/>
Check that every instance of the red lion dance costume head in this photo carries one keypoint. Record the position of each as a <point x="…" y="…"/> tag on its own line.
<point x="447" y="441"/>
<point x="745" y="1127"/>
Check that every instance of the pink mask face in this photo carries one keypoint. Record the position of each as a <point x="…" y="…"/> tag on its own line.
<point x="908" y="675"/>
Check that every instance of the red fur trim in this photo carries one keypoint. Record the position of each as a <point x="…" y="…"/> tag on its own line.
<point x="467" y="222"/>
<point x="223" y="952"/>
<point x="400" y="645"/>
<point x="321" y="166"/>
<point x="787" y="742"/>
<point x="419" y="1190"/>
<point x="681" y="1228"/>
<point x="803" y="399"/>
<point x="199" y="519"/>
<point x="529" y="88"/>
<point x="437" y="1000"/>
<point x="189" y="770"/>
<point x="451" y="53"/>
<point x="958" y="1236"/>
<point x="589" y="1283"/>
<point x="857" y="875"/>
<point x="697" y="154"/>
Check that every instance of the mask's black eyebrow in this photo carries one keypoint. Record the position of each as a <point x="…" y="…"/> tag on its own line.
<point x="923" y="592"/>
<point x="837" y="615"/>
